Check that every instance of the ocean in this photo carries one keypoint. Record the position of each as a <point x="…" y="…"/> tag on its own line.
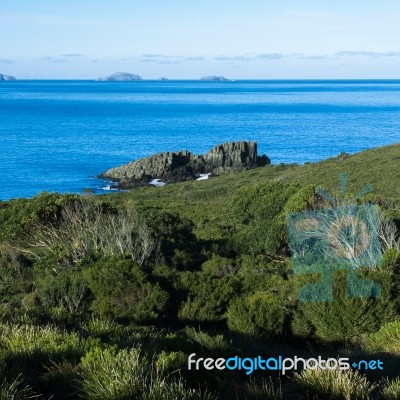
<point x="59" y="135"/>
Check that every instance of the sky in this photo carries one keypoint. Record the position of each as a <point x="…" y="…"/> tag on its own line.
<point x="188" y="39"/>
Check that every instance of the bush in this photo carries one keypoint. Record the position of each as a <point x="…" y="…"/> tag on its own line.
<point x="387" y="339"/>
<point x="63" y="288"/>
<point x="302" y="200"/>
<point x="208" y="294"/>
<point x="215" y="344"/>
<point x="122" y="290"/>
<point x="178" y="244"/>
<point x="344" y="318"/>
<point x="253" y="215"/>
<point x="257" y="314"/>
<point x="18" y="217"/>
<point x="86" y="229"/>
<point x="168" y="363"/>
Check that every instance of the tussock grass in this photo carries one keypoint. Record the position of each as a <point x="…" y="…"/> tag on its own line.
<point x="390" y="389"/>
<point x="334" y="384"/>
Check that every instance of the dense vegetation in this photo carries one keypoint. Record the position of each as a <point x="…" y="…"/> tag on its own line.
<point x="104" y="297"/>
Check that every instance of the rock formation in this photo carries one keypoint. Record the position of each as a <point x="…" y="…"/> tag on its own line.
<point x="120" y="77"/>
<point x="214" y="79"/>
<point x="181" y="166"/>
<point x="7" y="78"/>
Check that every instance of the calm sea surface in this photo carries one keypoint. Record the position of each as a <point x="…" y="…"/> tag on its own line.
<point x="58" y="135"/>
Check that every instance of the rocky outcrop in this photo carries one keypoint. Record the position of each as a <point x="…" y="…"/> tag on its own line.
<point x="7" y="78"/>
<point x="181" y="166"/>
<point x="214" y="79"/>
<point x="120" y="77"/>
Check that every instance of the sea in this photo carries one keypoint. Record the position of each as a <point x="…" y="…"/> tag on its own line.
<point x="57" y="136"/>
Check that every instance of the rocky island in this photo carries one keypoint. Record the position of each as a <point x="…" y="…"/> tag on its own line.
<point x="214" y="79"/>
<point x="120" y="77"/>
<point x="7" y="78"/>
<point x="172" y="167"/>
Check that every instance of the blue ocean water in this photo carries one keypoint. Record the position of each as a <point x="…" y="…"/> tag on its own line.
<point x="58" y="135"/>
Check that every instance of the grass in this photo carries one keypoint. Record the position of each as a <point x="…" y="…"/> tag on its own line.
<point x="334" y="384"/>
<point x="202" y="201"/>
<point x="390" y="389"/>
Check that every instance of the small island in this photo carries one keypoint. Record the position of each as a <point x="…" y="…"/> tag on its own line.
<point x="120" y="77"/>
<point x="214" y="78"/>
<point x="163" y="78"/>
<point x="7" y="78"/>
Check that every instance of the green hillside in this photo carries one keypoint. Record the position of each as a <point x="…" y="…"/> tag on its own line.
<point x="202" y="201"/>
<point x="106" y="297"/>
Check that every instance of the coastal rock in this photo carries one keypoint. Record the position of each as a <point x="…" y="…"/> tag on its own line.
<point x="181" y="166"/>
<point x="214" y="78"/>
<point x="120" y="77"/>
<point x="7" y="78"/>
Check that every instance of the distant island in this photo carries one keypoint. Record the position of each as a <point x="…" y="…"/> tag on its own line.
<point x="163" y="78"/>
<point x="214" y="78"/>
<point x="7" y="78"/>
<point x="120" y="77"/>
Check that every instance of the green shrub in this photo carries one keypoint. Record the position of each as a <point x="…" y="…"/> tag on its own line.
<point x="168" y="363"/>
<point x="334" y="384"/>
<point x="304" y="199"/>
<point x="215" y="344"/>
<point x="209" y="295"/>
<point x="257" y="314"/>
<point x="62" y="288"/>
<point x="253" y="214"/>
<point x="19" y="217"/>
<point x="122" y="290"/>
<point x="256" y="272"/>
<point x="390" y="259"/>
<point x="387" y="339"/>
<point x="344" y="318"/>
<point x="174" y="233"/>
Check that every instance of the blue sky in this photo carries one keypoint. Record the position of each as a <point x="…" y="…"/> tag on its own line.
<point x="288" y="39"/>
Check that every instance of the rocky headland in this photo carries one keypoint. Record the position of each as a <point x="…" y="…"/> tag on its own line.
<point x="7" y="78"/>
<point x="120" y="77"/>
<point x="172" y="167"/>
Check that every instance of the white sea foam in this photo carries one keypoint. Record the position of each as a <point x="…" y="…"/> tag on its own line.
<point x="203" y="177"/>
<point x="109" y="187"/>
<point x="157" y="182"/>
